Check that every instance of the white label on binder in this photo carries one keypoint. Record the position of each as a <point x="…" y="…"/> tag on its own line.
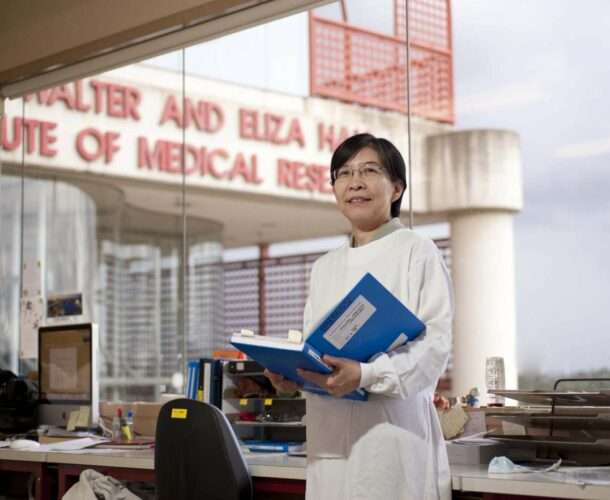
<point x="346" y="325"/>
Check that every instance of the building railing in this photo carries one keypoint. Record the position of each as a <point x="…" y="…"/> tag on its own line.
<point x="139" y="311"/>
<point x="361" y="66"/>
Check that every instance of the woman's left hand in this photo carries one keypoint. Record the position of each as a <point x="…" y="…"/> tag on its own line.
<point x="344" y="379"/>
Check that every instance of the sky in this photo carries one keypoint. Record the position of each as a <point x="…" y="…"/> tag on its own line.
<point x="540" y="68"/>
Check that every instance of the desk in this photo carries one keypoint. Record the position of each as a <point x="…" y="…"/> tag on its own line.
<point x="475" y="479"/>
<point x="273" y="473"/>
<point x="270" y="472"/>
<point x="32" y="462"/>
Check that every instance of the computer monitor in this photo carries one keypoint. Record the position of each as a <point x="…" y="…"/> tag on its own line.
<point x="67" y="372"/>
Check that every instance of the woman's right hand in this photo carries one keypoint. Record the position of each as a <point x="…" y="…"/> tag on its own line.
<point x="280" y="383"/>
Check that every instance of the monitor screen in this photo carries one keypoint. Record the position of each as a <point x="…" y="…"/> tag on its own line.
<point x="67" y="367"/>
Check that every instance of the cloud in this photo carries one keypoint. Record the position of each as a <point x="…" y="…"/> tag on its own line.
<point x="508" y="96"/>
<point x="584" y="149"/>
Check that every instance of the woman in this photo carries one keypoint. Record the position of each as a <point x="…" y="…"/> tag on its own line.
<point x="391" y="446"/>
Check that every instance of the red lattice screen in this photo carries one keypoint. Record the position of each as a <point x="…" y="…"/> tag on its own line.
<point x="360" y="66"/>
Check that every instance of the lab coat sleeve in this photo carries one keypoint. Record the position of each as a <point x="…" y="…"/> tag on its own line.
<point x="307" y="313"/>
<point x="420" y="363"/>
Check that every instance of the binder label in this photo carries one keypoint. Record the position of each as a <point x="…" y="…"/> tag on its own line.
<point x="344" y="328"/>
<point x="178" y="413"/>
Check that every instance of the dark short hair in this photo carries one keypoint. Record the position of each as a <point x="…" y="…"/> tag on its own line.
<point x="390" y="157"/>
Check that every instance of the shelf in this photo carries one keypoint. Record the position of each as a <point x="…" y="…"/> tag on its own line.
<point x="559" y="398"/>
<point x="584" y="445"/>
<point x="571" y="422"/>
<point x="245" y="374"/>
<point x="274" y="400"/>
<point x="267" y="424"/>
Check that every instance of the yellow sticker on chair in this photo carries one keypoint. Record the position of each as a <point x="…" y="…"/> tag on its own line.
<point x="178" y="413"/>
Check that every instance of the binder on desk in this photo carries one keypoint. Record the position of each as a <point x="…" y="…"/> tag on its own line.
<point x="209" y="381"/>
<point x="367" y="321"/>
<point x="192" y="379"/>
<point x="274" y="446"/>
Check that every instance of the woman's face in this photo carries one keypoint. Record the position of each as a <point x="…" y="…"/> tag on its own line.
<point x="366" y="200"/>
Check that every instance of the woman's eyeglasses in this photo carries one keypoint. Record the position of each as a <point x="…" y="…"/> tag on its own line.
<point x="367" y="171"/>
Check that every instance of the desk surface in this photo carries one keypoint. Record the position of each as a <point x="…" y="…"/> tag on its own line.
<point x="22" y="456"/>
<point x="473" y="478"/>
<point x="275" y="465"/>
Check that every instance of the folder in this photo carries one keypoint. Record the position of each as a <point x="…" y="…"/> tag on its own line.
<point x="209" y="381"/>
<point x="192" y="378"/>
<point x="367" y="321"/>
<point x="274" y="446"/>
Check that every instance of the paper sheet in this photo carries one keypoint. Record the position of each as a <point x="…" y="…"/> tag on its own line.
<point x="512" y="429"/>
<point x="476" y="439"/>
<point x="452" y="421"/>
<point x="32" y="316"/>
<point x="62" y="368"/>
<point x="475" y="423"/>
<point x="350" y="321"/>
<point x="31" y="279"/>
<point x="71" y="445"/>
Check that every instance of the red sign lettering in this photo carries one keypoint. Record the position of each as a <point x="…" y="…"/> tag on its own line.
<point x="269" y="127"/>
<point x="207" y="116"/>
<point x="329" y="138"/>
<point x="112" y="99"/>
<point x="116" y="100"/>
<point x="301" y="176"/>
<point x="98" y="144"/>
<point x="165" y="156"/>
<point x="36" y="134"/>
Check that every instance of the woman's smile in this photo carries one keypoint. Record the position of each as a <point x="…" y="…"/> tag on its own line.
<point x="358" y="200"/>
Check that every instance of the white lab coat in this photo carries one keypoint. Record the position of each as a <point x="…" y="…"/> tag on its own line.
<point x="391" y="446"/>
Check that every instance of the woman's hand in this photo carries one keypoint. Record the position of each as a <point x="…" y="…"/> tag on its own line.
<point x="344" y="379"/>
<point x="280" y="383"/>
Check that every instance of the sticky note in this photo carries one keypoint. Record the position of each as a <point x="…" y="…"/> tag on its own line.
<point x="178" y="413"/>
<point x="83" y="416"/>
<point x="71" y="425"/>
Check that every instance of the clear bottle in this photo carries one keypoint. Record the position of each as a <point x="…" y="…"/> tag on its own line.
<point x="494" y="379"/>
<point x="116" y="425"/>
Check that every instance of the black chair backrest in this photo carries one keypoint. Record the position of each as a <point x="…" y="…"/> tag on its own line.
<point x="197" y="455"/>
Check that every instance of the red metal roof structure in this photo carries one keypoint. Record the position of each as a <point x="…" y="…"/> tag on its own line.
<point x="361" y="66"/>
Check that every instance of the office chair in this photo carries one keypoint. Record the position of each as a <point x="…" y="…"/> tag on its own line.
<point x="197" y="455"/>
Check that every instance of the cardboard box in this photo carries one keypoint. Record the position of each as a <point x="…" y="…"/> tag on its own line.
<point x="108" y="410"/>
<point x="144" y="415"/>
<point x="145" y="418"/>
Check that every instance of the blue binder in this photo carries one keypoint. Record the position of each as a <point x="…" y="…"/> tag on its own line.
<point x="192" y="378"/>
<point x="209" y="382"/>
<point x="367" y="321"/>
